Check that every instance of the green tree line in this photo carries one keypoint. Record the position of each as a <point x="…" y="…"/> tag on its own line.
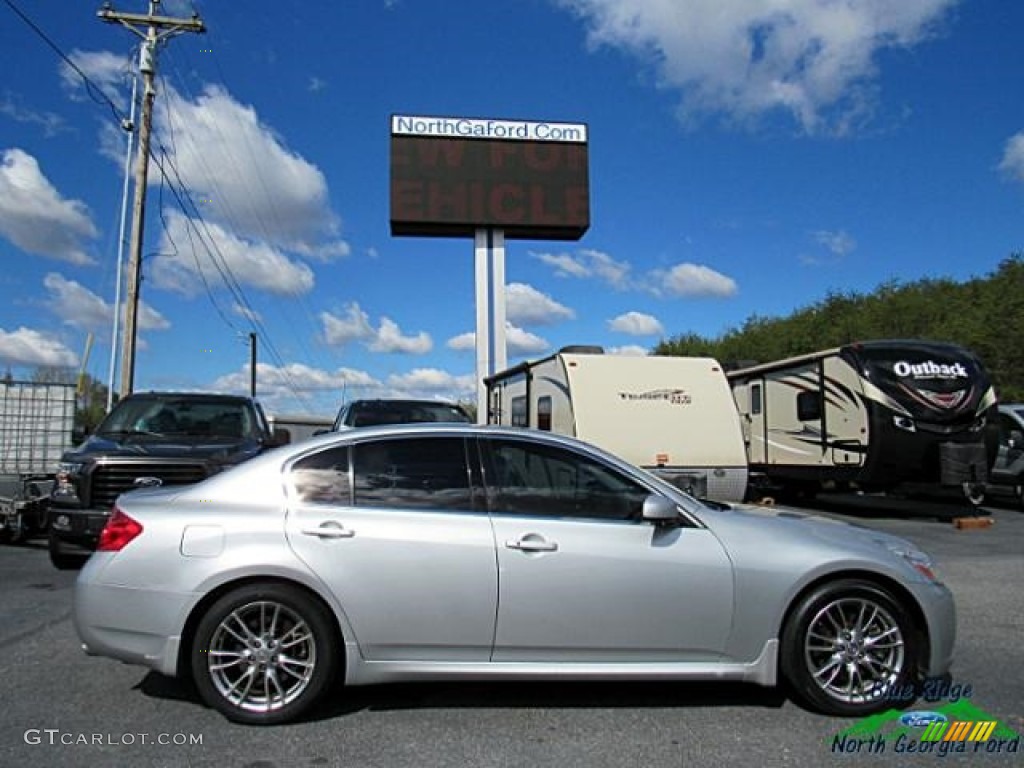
<point x="984" y="314"/>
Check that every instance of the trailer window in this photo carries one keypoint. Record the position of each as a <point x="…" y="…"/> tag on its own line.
<point x="519" y="415"/>
<point x="755" y="399"/>
<point x="808" y="406"/>
<point x="544" y="413"/>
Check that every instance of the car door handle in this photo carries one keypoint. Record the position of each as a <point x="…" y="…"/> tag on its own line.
<point x="532" y="545"/>
<point x="330" y="530"/>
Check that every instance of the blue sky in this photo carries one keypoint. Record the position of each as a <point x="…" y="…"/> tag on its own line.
<point x="746" y="157"/>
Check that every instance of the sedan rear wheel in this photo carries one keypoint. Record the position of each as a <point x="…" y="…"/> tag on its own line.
<point x="849" y="649"/>
<point x="264" y="654"/>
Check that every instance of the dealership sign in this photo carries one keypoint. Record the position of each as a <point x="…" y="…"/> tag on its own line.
<point x="451" y="177"/>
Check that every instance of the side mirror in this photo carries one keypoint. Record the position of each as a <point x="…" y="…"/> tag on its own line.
<point x="279" y="437"/>
<point x="660" y="511"/>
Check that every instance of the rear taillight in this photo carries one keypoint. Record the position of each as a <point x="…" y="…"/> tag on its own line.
<point x="119" y="531"/>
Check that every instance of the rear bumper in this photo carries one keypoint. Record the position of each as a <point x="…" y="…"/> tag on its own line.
<point x="136" y="626"/>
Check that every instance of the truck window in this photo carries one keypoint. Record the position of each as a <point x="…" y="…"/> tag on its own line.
<point x="544" y="413"/>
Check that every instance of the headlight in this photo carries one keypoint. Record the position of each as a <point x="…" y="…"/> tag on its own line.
<point x="65" y="471"/>
<point x="919" y="561"/>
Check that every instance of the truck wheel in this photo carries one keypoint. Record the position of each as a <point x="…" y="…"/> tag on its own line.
<point x="64" y="561"/>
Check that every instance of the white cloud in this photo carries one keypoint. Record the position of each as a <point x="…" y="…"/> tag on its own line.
<point x="27" y="346"/>
<point x="1012" y="163"/>
<point x="111" y="72"/>
<point x="35" y="217"/>
<point x="518" y="343"/>
<point x="684" y="279"/>
<point x="50" y="122"/>
<point x="525" y="304"/>
<point x="742" y="58"/>
<point x="692" y="281"/>
<point x="589" y="263"/>
<point x="249" y="314"/>
<point x="564" y="264"/>
<point x="80" y="308"/>
<point x="433" y="382"/>
<point x="629" y="350"/>
<point x="251" y="180"/>
<point x="636" y="324"/>
<point x="464" y="342"/>
<point x="389" y="338"/>
<point x="355" y="325"/>
<point x="838" y="243"/>
<point x="252" y="263"/>
<point x="277" y="381"/>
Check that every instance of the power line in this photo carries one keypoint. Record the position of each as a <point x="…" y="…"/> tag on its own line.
<point x="95" y="92"/>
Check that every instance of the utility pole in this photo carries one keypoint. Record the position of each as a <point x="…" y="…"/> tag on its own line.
<point x="252" y="365"/>
<point x="157" y="30"/>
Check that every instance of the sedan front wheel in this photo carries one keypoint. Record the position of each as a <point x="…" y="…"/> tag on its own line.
<point x="849" y="649"/>
<point x="264" y="654"/>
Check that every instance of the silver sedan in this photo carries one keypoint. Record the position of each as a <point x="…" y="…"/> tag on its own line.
<point x="481" y="553"/>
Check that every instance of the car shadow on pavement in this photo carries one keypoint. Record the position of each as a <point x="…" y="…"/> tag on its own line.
<point x="875" y="507"/>
<point x="545" y="695"/>
<point x="342" y="701"/>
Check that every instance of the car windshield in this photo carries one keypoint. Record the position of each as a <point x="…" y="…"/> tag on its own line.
<point x="158" y="417"/>
<point x="399" y="412"/>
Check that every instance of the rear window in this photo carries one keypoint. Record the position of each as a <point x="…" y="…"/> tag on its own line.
<point x="371" y="414"/>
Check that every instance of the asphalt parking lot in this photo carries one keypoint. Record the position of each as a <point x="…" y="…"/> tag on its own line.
<point x="62" y="708"/>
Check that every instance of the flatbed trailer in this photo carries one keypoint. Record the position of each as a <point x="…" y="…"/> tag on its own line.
<point x="36" y="422"/>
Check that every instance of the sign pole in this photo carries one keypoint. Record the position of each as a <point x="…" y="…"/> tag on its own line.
<point x="491" y="357"/>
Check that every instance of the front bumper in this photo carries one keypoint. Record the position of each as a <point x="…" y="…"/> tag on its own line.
<point x="939" y="610"/>
<point x="80" y="527"/>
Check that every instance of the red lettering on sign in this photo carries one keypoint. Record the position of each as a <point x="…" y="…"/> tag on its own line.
<point x="500" y="150"/>
<point x="507" y="203"/>
<point x="446" y="201"/>
<point x="431" y="153"/>
<point x="544" y="157"/>
<point x="407" y="200"/>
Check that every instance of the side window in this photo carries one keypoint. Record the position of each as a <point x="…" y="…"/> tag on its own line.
<point x="519" y="418"/>
<point x="323" y="478"/>
<point x="529" y="479"/>
<point x="808" y="406"/>
<point x="544" y="413"/>
<point x="755" y="399"/>
<point x="413" y="473"/>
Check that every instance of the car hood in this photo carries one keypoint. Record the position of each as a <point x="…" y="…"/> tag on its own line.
<point x="173" y="447"/>
<point x="782" y="534"/>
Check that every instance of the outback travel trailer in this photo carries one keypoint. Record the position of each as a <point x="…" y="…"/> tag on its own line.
<point x="671" y="415"/>
<point x="877" y="414"/>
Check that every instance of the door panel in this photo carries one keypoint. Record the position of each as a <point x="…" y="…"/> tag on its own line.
<point x="407" y="558"/>
<point x="610" y="591"/>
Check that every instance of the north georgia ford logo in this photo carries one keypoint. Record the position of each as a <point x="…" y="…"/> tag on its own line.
<point x="930" y="370"/>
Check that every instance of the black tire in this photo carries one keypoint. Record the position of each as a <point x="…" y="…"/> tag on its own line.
<point x="236" y="657"/>
<point x="63" y="560"/>
<point x="843" y="626"/>
<point x="974" y="493"/>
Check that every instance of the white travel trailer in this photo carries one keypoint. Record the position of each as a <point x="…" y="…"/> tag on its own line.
<point x="877" y="414"/>
<point x="672" y="415"/>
